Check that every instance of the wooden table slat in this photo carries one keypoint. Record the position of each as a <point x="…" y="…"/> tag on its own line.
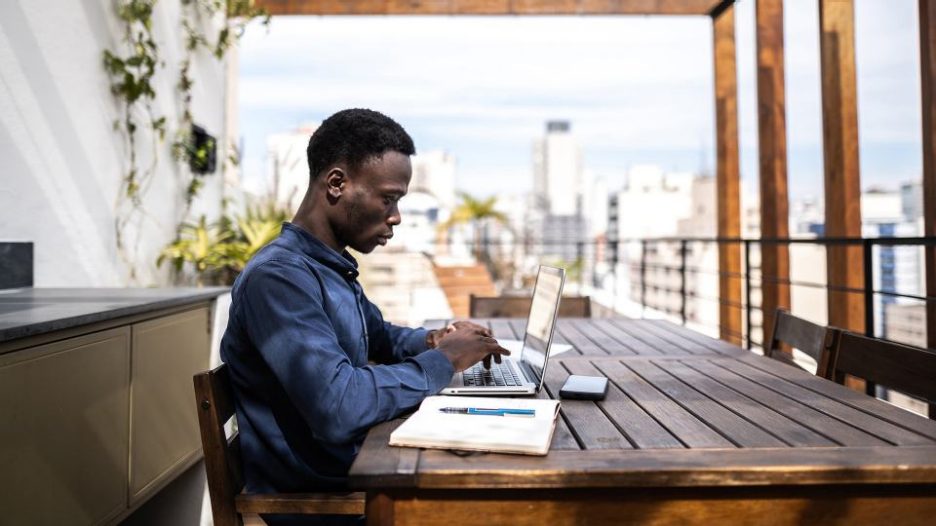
<point x="883" y="410"/>
<point x="661" y="468"/>
<point x="762" y="416"/>
<point x="563" y="439"/>
<point x="733" y="427"/>
<point x="676" y="419"/>
<point x="663" y="327"/>
<point x="586" y="421"/>
<point x="840" y="432"/>
<point x="502" y="329"/>
<point x="639" y="427"/>
<point x="609" y="346"/>
<point x="570" y="333"/>
<point x="608" y="327"/>
<point x="823" y="402"/>
<point x="667" y="344"/>
<point x="519" y="327"/>
<point x="669" y="338"/>
<point x="382" y="464"/>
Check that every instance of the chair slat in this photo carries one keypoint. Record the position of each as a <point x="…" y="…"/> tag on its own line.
<point x="302" y="503"/>
<point x="214" y="396"/>
<point x="900" y="367"/>
<point x="814" y="340"/>
<point x="519" y="306"/>
<point x="214" y="407"/>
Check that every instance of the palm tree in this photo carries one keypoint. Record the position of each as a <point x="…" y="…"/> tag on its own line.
<point x="476" y="212"/>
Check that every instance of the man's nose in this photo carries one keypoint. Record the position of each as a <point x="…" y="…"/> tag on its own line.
<point x="394" y="218"/>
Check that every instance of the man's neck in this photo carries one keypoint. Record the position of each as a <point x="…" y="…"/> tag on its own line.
<point x="317" y="225"/>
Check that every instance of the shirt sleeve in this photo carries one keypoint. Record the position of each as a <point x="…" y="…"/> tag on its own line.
<point x="285" y="319"/>
<point x="391" y="343"/>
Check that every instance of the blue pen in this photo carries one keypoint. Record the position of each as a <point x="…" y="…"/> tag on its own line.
<point x="488" y="411"/>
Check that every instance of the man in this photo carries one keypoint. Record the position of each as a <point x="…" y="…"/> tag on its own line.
<point x="301" y="332"/>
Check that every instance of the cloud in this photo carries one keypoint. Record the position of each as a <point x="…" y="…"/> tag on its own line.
<point x="483" y="87"/>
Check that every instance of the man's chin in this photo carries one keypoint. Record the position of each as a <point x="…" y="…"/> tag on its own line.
<point x="364" y="248"/>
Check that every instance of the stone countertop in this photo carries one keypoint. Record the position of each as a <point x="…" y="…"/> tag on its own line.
<point x="31" y="311"/>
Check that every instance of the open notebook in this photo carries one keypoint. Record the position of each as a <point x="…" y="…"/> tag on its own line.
<point x="431" y="428"/>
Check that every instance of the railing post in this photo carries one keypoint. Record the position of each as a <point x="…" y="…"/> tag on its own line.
<point x="580" y="259"/>
<point x="747" y="291"/>
<point x="867" y="247"/>
<point x="614" y="273"/>
<point x="866" y="253"/>
<point x="682" y="278"/>
<point x="643" y="276"/>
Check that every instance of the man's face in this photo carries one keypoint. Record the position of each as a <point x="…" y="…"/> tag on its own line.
<point x="369" y="208"/>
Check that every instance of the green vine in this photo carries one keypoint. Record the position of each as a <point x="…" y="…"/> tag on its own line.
<point x="132" y="69"/>
<point x="237" y="14"/>
<point x="131" y="76"/>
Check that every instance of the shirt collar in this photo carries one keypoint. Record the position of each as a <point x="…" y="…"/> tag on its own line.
<point x="300" y="239"/>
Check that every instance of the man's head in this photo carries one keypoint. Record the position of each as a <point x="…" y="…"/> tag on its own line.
<point x="359" y="168"/>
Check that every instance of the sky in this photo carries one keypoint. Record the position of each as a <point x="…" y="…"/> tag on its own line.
<point x="637" y="90"/>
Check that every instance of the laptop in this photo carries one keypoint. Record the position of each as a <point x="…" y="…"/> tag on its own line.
<point x="523" y="374"/>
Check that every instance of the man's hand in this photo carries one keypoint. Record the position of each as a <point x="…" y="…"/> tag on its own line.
<point x="468" y="344"/>
<point x="434" y="337"/>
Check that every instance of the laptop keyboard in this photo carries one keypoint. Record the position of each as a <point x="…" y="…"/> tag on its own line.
<point x="500" y="374"/>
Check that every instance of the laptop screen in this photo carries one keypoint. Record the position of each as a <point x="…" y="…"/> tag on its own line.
<point x="541" y="322"/>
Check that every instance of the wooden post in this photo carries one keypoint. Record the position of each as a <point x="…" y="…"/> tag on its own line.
<point x="928" y="76"/>
<point x="727" y="174"/>
<point x="840" y="145"/>
<point x="771" y="115"/>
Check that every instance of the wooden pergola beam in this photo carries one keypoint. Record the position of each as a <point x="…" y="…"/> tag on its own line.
<point x="928" y="78"/>
<point x="489" y="7"/>
<point x="840" y="147"/>
<point x="727" y="174"/>
<point x="771" y="121"/>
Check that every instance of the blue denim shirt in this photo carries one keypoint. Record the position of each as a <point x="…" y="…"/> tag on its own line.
<point x="298" y="341"/>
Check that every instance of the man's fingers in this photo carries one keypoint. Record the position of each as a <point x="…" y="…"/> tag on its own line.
<point x="480" y="329"/>
<point x="498" y="350"/>
<point x="487" y="361"/>
<point x="497" y="358"/>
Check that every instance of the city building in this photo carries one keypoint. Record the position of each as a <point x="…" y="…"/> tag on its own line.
<point x="288" y="166"/>
<point x="434" y="174"/>
<point x="557" y="169"/>
<point x="896" y="269"/>
<point x="651" y="273"/>
<point x="559" y="191"/>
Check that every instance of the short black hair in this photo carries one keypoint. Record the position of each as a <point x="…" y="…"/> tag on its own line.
<point x="354" y="136"/>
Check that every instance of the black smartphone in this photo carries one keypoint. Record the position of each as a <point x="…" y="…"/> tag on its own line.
<point x="578" y="387"/>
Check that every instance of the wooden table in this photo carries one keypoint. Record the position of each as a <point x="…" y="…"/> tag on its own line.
<point x="693" y="430"/>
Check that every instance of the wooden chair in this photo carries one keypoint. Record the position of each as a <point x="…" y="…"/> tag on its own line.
<point x="903" y="368"/>
<point x="519" y="306"/>
<point x="815" y="340"/>
<point x="214" y="397"/>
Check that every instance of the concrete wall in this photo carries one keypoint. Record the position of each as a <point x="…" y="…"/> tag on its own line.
<point x="62" y="161"/>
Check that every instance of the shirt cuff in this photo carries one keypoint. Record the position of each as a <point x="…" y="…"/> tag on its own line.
<point x="416" y="341"/>
<point x="438" y="369"/>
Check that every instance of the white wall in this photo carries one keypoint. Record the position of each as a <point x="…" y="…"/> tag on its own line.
<point x="62" y="161"/>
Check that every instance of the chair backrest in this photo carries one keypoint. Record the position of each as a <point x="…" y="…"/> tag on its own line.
<point x="215" y="398"/>
<point x="815" y="340"/>
<point x="519" y="306"/>
<point x="903" y="368"/>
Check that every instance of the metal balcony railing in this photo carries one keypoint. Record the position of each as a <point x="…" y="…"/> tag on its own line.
<point x="643" y="260"/>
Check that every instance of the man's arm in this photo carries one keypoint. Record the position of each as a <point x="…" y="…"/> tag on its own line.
<point x="286" y="321"/>
<point x="391" y="343"/>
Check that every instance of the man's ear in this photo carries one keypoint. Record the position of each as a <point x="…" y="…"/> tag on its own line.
<point x="335" y="181"/>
